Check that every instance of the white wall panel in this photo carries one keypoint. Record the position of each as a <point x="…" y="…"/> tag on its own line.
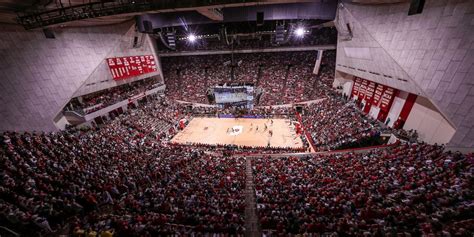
<point x="39" y="75"/>
<point x="432" y="50"/>
<point x="374" y="112"/>
<point x="101" y="78"/>
<point x="395" y="110"/>
<point x="431" y="126"/>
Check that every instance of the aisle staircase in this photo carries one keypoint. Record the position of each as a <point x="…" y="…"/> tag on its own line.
<point x="259" y="75"/>
<point x="285" y="81"/>
<point x="252" y="226"/>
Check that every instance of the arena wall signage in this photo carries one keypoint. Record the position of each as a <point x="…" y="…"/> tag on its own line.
<point x="130" y="66"/>
<point x="356" y="86"/>
<point x="373" y="94"/>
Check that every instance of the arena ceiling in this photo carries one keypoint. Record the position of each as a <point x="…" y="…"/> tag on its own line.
<point x="378" y="1"/>
<point x="43" y="10"/>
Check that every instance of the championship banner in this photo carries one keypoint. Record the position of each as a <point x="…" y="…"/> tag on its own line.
<point x="130" y="66"/>
<point x="387" y="99"/>
<point x="362" y="88"/>
<point x="378" y="94"/>
<point x="374" y="93"/>
<point x="369" y="93"/>
<point x="355" y="87"/>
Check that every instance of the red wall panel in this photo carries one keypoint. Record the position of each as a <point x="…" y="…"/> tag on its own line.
<point x="387" y="99"/>
<point x="409" y="102"/>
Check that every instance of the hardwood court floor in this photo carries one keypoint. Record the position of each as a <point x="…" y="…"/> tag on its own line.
<point x="219" y="131"/>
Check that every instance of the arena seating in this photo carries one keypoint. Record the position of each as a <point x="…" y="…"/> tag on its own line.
<point x="410" y="190"/>
<point x="124" y="178"/>
<point x="107" y="97"/>
<point x="113" y="177"/>
<point x="334" y="122"/>
<point x="288" y="74"/>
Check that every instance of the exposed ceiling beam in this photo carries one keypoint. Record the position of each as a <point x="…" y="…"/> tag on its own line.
<point x="214" y="14"/>
<point x="371" y="2"/>
<point x="130" y="8"/>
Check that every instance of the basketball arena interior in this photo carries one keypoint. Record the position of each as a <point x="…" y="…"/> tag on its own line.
<point x="236" y="118"/>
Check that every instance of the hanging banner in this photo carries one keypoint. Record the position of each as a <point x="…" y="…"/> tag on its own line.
<point x="355" y="86"/>
<point x="378" y="94"/>
<point x="387" y="99"/>
<point x="130" y="66"/>
<point x="369" y="92"/>
<point x="373" y="93"/>
<point x="362" y="88"/>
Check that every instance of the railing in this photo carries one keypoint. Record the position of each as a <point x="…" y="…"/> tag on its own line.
<point x="124" y="102"/>
<point x="4" y="229"/>
<point x="76" y="112"/>
<point x="243" y="51"/>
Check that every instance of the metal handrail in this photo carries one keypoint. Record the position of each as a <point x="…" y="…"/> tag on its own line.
<point x="9" y="231"/>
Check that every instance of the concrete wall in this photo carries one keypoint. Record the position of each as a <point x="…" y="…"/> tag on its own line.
<point x="396" y="108"/>
<point x="101" y="78"/>
<point x="431" y="126"/>
<point x="433" y="51"/>
<point x="39" y="75"/>
<point x="345" y="81"/>
<point x="363" y="56"/>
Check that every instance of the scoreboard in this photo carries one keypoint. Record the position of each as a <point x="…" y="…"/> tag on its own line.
<point x="233" y="94"/>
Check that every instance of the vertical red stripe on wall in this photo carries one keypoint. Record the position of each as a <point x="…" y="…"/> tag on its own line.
<point x="410" y="101"/>
<point x="367" y="107"/>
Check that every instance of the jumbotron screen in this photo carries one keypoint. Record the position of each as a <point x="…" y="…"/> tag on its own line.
<point x="233" y="94"/>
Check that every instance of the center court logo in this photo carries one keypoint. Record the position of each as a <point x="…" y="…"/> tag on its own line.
<point x="235" y="130"/>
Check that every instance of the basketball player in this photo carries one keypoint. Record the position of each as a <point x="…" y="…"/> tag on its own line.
<point x="256" y="129"/>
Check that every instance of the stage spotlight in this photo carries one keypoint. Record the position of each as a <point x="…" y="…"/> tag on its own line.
<point x="191" y="38"/>
<point x="299" y="31"/>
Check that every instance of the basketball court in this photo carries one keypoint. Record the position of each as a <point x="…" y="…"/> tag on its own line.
<point x="241" y="132"/>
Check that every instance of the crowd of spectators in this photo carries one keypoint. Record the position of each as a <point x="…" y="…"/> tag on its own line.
<point x="285" y="77"/>
<point x="124" y="178"/>
<point x="118" y="178"/>
<point x="409" y="190"/>
<point x="98" y="100"/>
<point x="333" y="123"/>
<point x="229" y="150"/>
<point x="261" y="111"/>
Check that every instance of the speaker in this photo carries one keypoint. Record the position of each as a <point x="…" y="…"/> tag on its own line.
<point x="171" y="37"/>
<point x="279" y="34"/>
<point x="416" y="7"/>
<point x="147" y="26"/>
<point x="49" y="34"/>
<point x="260" y="17"/>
